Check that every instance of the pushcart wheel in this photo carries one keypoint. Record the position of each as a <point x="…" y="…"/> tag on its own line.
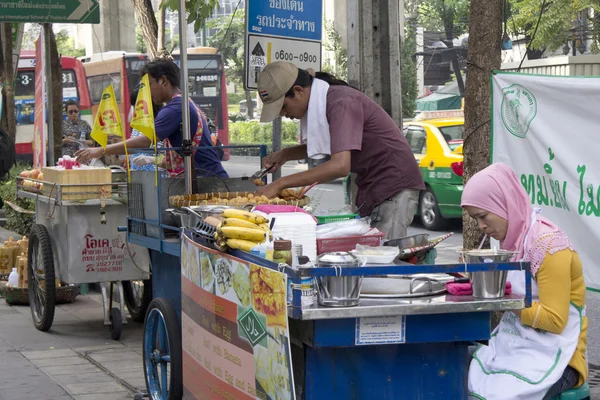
<point x="116" y="324"/>
<point x="40" y="273"/>
<point x="162" y="351"/>
<point x="138" y="295"/>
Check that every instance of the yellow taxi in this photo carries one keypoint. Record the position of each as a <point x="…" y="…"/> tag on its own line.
<point x="436" y="139"/>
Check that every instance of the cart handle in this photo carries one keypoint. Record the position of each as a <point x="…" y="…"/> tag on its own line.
<point x="121" y="228"/>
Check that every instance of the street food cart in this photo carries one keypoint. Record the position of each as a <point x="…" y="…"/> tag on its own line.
<point x="216" y="326"/>
<point x="75" y="241"/>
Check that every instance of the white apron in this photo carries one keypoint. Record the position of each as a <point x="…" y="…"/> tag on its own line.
<point x="522" y="363"/>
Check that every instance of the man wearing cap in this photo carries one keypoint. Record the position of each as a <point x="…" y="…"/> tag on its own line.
<point x="339" y="121"/>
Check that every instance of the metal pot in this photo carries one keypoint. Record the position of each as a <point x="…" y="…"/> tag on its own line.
<point x="487" y="284"/>
<point x="409" y="242"/>
<point x="338" y="291"/>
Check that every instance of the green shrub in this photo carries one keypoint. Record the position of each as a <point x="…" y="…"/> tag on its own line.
<point x="237" y="117"/>
<point x="256" y="132"/>
<point x="235" y="98"/>
<point x="15" y="221"/>
<point x="254" y="152"/>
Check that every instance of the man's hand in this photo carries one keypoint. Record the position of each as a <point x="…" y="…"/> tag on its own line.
<point x="274" y="161"/>
<point x="84" y="156"/>
<point x="143" y="160"/>
<point x="271" y="190"/>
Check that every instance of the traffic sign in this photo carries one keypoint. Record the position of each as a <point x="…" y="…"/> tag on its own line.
<point x="282" y="30"/>
<point x="55" y="11"/>
<point x="264" y="50"/>
<point x="300" y="19"/>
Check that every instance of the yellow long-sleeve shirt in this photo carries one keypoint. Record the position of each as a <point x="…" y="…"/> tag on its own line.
<point x="560" y="282"/>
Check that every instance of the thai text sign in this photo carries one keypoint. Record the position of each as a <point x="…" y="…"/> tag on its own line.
<point x="545" y="128"/>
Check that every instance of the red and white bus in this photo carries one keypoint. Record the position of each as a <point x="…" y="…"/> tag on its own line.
<point x="207" y="87"/>
<point x="119" y="68"/>
<point x="75" y="87"/>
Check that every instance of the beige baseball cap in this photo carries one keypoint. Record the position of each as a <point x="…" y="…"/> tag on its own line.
<point x="273" y="83"/>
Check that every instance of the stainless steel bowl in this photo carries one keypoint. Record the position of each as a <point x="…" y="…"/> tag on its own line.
<point x="409" y="242"/>
<point x="488" y="284"/>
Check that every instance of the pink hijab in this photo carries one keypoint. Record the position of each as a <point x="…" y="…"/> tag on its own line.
<point x="498" y="190"/>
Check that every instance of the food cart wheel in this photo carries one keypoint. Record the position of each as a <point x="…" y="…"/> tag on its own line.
<point x="138" y="295"/>
<point x="162" y="351"/>
<point x="41" y="275"/>
<point x="116" y="324"/>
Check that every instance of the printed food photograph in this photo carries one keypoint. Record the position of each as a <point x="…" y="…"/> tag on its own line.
<point x="268" y="295"/>
<point x="207" y="274"/>
<point x="241" y="284"/>
<point x="272" y="371"/>
<point x="193" y="266"/>
<point x="184" y="258"/>
<point x="224" y="276"/>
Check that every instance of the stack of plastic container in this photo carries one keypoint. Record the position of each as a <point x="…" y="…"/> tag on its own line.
<point x="300" y="228"/>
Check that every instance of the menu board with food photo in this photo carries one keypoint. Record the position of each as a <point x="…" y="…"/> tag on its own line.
<point x="236" y="340"/>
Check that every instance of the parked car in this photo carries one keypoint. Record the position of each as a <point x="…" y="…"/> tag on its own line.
<point x="436" y="139"/>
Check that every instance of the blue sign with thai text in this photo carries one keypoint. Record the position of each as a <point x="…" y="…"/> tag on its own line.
<point x="299" y="19"/>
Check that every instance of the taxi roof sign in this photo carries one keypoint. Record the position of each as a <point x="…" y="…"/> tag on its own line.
<point x="440" y="114"/>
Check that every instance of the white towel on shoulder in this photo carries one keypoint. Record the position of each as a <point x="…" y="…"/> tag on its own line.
<point x="314" y="128"/>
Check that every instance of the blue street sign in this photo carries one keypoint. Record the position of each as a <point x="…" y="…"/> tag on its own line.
<point x="300" y="19"/>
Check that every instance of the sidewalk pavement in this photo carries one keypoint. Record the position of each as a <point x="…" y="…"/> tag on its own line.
<point x="76" y="359"/>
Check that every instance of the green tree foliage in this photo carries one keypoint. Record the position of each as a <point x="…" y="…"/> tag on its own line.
<point x="333" y="43"/>
<point x="232" y="45"/>
<point x="66" y="45"/>
<point x="433" y="15"/>
<point x="198" y="10"/>
<point x="558" y="24"/>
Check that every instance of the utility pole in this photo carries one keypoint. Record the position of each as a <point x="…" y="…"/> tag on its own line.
<point x="374" y="51"/>
<point x="485" y="38"/>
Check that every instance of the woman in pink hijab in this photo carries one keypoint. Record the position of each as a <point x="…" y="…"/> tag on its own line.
<point x="538" y="352"/>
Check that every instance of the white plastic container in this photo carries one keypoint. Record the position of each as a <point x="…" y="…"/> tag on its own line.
<point x="13" y="278"/>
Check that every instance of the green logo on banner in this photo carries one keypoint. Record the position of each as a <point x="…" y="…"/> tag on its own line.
<point x="252" y="327"/>
<point x="518" y="109"/>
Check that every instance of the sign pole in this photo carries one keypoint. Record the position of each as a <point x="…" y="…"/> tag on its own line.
<point x="48" y="97"/>
<point x="276" y="143"/>
<point x="185" y="107"/>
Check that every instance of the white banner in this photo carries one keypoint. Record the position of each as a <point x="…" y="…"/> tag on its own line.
<point x="546" y="129"/>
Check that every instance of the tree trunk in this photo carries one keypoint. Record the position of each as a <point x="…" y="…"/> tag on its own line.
<point x="160" y="46"/>
<point x="8" y="77"/>
<point x="249" y="105"/>
<point x="144" y="14"/>
<point x="485" y="36"/>
<point x="57" y="96"/>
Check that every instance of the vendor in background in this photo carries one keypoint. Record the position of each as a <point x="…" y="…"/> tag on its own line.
<point x="74" y="130"/>
<point x="340" y="121"/>
<point x="164" y="87"/>
<point x="145" y="161"/>
<point x="538" y="352"/>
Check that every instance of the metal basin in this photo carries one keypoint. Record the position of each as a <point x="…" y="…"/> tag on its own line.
<point x="409" y="242"/>
<point x="395" y="286"/>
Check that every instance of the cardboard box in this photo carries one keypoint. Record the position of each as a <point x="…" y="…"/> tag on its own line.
<point x="93" y="176"/>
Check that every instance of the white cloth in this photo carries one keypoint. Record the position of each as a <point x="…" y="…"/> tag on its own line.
<point x="522" y="363"/>
<point x="314" y="128"/>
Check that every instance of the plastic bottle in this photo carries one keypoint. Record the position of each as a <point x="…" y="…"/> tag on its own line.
<point x="82" y="137"/>
<point x="13" y="278"/>
<point x="270" y="251"/>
